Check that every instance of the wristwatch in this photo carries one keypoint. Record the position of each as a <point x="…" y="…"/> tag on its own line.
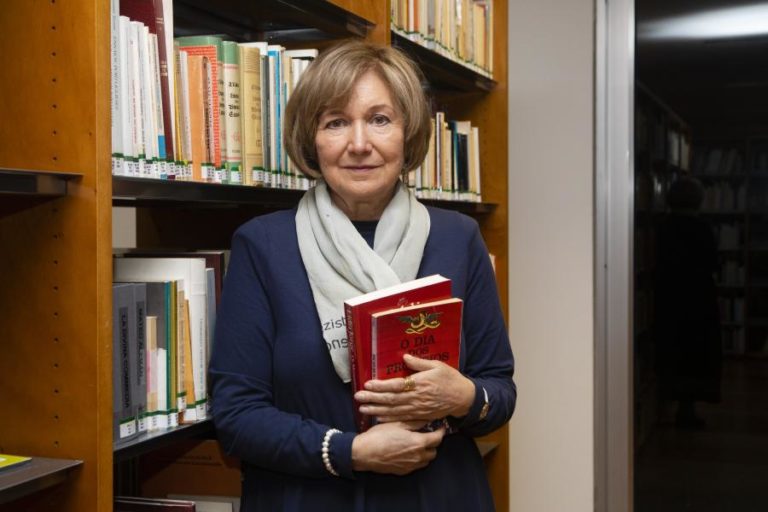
<point x="486" y="406"/>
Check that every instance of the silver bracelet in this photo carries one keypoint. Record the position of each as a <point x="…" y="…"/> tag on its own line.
<point x="326" y="457"/>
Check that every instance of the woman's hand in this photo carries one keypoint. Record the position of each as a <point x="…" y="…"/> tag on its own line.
<point x="395" y="448"/>
<point x="437" y="391"/>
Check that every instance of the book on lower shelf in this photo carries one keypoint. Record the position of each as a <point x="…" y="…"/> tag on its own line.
<point x="358" y="311"/>
<point x="429" y="330"/>
<point x="136" y="504"/>
<point x="8" y="461"/>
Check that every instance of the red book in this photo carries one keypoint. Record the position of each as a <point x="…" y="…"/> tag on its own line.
<point x="358" y="311"/>
<point x="430" y="330"/>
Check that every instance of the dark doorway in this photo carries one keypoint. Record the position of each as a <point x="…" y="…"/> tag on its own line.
<point x="701" y="256"/>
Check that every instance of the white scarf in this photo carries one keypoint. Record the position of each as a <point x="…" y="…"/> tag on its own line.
<point x="341" y="265"/>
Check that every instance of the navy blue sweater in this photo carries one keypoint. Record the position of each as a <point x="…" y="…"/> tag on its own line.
<point x="275" y="392"/>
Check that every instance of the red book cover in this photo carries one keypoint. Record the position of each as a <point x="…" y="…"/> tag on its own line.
<point x="358" y="311"/>
<point x="430" y="330"/>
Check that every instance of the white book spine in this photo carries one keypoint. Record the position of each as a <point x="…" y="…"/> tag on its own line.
<point x="136" y="108"/>
<point x="115" y="83"/>
<point x="149" y="130"/>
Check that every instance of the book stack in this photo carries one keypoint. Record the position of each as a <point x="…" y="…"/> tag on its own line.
<point x="164" y="313"/>
<point x="198" y="108"/>
<point x="451" y="169"/>
<point x="419" y="317"/>
<point x="460" y="30"/>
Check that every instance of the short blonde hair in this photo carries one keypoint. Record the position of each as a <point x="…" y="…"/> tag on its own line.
<point x="328" y="83"/>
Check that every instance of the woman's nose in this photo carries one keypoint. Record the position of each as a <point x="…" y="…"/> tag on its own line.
<point x="359" y="140"/>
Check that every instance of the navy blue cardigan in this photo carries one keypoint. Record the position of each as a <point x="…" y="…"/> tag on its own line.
<point x="275" y="392"/>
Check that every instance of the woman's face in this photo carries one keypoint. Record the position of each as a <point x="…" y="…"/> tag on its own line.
<point x="360" y="149"/>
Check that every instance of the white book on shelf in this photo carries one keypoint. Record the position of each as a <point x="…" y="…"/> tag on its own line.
<point x="114" y="19"/>
<point x="134" y="73"/>
<point x="185" y="135"/>
<point x="147" y="127"/>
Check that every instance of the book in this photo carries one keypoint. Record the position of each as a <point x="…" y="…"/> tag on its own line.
<point x="232" y="146"/>
<point x="209" y="503"/>
<point x="358" y="311"/>
<point x="140" y="348"/>
<point x="429" y="330"/>
<point x="135" y="504"/>
<point x="123" y="360"/>
<point x="250" y="113"/>
<point x="8" y="461"/>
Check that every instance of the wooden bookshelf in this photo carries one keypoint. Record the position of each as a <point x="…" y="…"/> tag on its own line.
<point x="57" y="260"/>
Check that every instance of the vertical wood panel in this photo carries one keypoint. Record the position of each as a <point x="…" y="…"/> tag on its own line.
<point x="55" y="369"/>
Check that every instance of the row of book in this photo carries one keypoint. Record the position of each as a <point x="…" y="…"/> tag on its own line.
<point x="198" y="108"/>
<point x="461" y="30"/>
<point x="451" y="169"/>
<point x="164" y="313"/>
<point x="717" y="161"/>
<point x="662" y="141"/>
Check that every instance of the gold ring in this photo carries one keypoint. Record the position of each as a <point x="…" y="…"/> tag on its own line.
<point x="409" y="384"/>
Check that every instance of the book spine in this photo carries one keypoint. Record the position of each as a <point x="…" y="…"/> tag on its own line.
<point x="361" y="421"/>
<point x="140" y="299"/>
<point x="232" y="102"/>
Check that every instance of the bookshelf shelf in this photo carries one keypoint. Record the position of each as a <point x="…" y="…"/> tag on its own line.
<point x="33" y="476"/>
<point x="443" y="73"/>
<point x="149" y="441"/>
<point x="269" y="20"/>
<point x="143" y="192"/>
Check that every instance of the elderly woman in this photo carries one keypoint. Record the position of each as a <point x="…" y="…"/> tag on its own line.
<point x="282" y="401"/>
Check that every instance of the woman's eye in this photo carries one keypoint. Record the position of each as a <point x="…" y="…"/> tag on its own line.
<point x="334" y="123"/>
<point x="380" y="120"/>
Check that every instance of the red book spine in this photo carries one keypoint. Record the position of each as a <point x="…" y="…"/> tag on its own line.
<point x="165" y="86"/>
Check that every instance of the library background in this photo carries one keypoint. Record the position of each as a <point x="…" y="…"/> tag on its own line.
<point x="135" y="104"/>
<point x="701" y="263"/>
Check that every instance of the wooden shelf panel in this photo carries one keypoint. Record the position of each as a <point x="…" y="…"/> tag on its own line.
<point x="143" y="192"/>
<point x="33" y="476"/>
<point x="443" y="73"/>
<point x="268" y="20"/>
<point x="148" y="441"/>
<point x="22" y="189"/>
<point x="19" y="182"/>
